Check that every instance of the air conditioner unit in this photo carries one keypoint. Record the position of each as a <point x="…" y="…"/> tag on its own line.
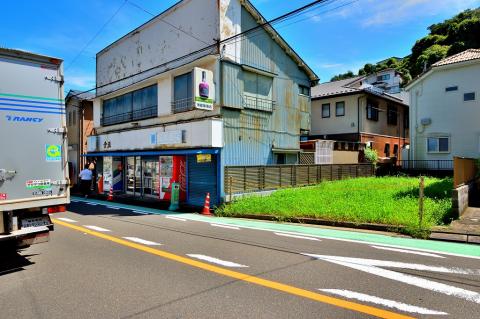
<point x="426" y="121"/>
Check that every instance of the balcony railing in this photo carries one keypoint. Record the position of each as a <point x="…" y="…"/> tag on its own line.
<point x="129" y="116"/>
<point x="182" y="105"/>
<point x="256" y="103"/>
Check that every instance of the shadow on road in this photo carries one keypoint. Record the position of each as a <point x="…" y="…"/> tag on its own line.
<point x="101" y="209"/>
<point x="11" y="260"/>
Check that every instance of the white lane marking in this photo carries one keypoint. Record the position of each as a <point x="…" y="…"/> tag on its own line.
<point x="176" y="218"/>
<point x="297" y="236"/>
<point x="408" y="279"/>
<point x="111" y="207"/>
<point x="142" y="241"/>
<point x="140" y="212"/>
<point x="407" y="251"/>
<point x="396" y="264"/>
<point x="347" y="240"/>
<point x="68" y="220"/>
<point x="96" y="228"/>
<point x="217" y="261"/>
<point x="91" y="204"/>
<point x="224" y="226"/>
<point x="384" y="302"/>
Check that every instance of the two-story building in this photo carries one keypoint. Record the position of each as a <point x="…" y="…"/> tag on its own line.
<point x="204" y="85"/>
<point x="79" y="115"/>
<point x="445" y="110"/>
<point x="349" y="111"/>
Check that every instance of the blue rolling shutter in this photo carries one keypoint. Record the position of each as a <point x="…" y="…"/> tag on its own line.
<point x="202" y="179"/>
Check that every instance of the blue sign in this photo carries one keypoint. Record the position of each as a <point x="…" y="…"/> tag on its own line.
<point x="12" y="118"/>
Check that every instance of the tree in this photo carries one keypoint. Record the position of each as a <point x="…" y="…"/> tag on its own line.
<point x="343" y="76"/>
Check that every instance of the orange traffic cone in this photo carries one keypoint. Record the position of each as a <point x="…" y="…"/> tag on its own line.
<point x="206" y="206"/>
<point x="110" y="194"/>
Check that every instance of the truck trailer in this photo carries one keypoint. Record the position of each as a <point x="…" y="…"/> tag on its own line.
<point x="33" y="146"/>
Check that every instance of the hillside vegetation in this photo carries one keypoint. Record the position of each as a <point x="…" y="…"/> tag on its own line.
<point x="446" y="38"/>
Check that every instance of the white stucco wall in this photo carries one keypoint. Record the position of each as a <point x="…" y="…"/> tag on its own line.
<point x="449" y="114"/>
<point x="334" y="124"/>
<point x="158" y="42"/>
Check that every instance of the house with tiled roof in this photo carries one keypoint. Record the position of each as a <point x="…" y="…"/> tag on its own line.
<point x="354" y="110"/>
<point x="445" y="109"/>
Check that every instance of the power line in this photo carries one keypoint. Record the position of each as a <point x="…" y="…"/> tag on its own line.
<point x="97" y="34"/>
<point x="216" y="45"/>
<point x="166" y="22"/>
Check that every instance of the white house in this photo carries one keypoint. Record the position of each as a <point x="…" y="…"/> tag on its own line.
<point x="445" y="109"/>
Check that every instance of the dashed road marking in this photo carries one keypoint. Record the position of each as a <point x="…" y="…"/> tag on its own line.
<point x="297" y="236"/>
<point x="91" y="204"/>
<point x="414" y="252"/>
<point x="140" y="212"/>
<point x="142" y="241"/>
<point x="384" y="302"/>
<point x="225" y="226"/>
<point x="96" y="228"/>
<point x="274" y="285"/>
<point x="111" y="207"/>
<point x="68" y="220"/>
<point x="176" y="218"/>
<point x="217" y="261"/>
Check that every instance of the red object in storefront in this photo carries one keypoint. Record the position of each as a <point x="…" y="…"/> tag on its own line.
<point x="206" y="206"/>
<point x="110" y="194"/>
<point x="100" y="185"/>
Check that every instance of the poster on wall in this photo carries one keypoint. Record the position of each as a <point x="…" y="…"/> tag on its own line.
<point x="204" y="89"/>
<point x="117" y="170"/>
<point x="107" y="173"/>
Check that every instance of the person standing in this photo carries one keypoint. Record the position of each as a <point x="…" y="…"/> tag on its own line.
<point x="85" y="180"/>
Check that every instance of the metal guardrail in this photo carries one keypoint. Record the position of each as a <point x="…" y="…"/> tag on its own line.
<point x="427" y="165"/>
<point x="245" y="179"/>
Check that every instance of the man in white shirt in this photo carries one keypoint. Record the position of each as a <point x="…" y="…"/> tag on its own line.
<point x="85" y="181"/>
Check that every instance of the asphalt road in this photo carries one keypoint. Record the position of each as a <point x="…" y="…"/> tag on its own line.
<point x="106" y="262"/>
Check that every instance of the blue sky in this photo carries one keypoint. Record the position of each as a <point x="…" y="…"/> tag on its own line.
<point x="342" y="36"/>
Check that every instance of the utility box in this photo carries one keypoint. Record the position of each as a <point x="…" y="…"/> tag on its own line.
<point x="175" y="198"/>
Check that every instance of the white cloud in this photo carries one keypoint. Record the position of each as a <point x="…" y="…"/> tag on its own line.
<point x="80" y="81"/>
<point x="330" y="65"/>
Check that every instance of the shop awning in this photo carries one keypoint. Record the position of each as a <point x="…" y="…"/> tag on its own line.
<point x="156" y="152"/>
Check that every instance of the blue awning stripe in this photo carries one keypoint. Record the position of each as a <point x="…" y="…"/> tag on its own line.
<point x="157" y="152"/>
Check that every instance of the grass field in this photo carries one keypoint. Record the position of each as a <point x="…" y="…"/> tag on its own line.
<point x="385" y="200"/>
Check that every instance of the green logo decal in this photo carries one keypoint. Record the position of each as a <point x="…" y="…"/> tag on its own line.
<point x="53" y="153"/>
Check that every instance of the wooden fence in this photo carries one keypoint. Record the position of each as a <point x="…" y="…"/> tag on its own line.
<point x="246" y="179"/>
<point x="464" y="171"/>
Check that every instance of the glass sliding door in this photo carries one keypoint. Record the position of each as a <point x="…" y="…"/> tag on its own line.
<point x="151" y="177"/>
<point x="133" y="176"/>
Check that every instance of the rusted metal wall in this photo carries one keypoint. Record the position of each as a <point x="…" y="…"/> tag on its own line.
<point x="250" y="134"/>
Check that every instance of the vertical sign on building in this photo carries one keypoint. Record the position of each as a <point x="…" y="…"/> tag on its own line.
<point x="204" y="89"/>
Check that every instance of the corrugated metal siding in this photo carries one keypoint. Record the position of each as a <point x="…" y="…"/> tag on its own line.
<point x="233" y="84"/>
<point x="202" y="179"/>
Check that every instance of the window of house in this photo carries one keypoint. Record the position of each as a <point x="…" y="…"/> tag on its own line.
<point x="340" y="108"/>
<point x="406" y="119"/>
<point x="451" y="88"/>
<point x="304" y="90"/>
<point x="395" y="150"/>
<point x="182" y="93"/>
<point x="136" y="105"/>
<point x="438" y="144"/>
<point x="74" y="118"/>
<point x="281" y="159"/>
<point x="326" y="110"/>
<point x="392" y="115"/>
<point x="383" y="77"/>
<point x="372" y="110"/>
<point x="387" y="150"/>
<point x="469" y="96"/>
<point x="258" y="91"/>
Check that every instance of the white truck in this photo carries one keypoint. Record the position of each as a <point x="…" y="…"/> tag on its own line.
<point x="33" y="146"/>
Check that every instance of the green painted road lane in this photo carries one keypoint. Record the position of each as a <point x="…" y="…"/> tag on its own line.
<point x="455" y="249"/>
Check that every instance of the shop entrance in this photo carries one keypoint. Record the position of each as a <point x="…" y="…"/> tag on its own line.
<point x="133" y="176"/>
<point x="150" y="177"/>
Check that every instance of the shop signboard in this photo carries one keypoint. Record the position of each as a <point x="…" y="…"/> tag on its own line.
<point x="204" y="89"/>
<point x="204" y="158"/>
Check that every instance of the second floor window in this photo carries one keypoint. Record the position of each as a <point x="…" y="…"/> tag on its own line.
<point x="372" y="110"/>
<point x="340" y="108"/>
<point x="325" y="110"/>
<point x="304" y="90"/>
<point x="258" y="91"/>
<point x="392" y="115"/>
<point x="182" y="93"/>
<point x="136" y="105"/>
